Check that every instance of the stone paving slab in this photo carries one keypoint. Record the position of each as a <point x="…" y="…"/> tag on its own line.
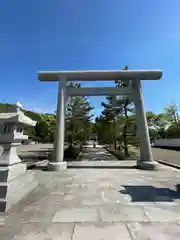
<point x="98" y="203"/>
<point x="101" y="231"/>
<point x="75" y="215"/>
<point x="154" y="231"/>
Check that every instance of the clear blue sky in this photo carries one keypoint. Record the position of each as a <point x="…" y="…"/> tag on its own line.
<point x="81" y="34"/>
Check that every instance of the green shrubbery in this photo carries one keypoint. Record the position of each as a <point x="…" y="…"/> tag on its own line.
<point x="73" y="152"/>
<point x="117" y="153"/>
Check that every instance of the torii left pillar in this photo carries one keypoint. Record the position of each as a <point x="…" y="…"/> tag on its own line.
<point x="57" y="162"/>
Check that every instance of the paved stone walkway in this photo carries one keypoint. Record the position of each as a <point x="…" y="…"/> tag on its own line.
<point x="100" y="204"/>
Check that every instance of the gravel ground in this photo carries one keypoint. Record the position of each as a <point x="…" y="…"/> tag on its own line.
<point x="166" y="155"/>
<point x="31" y="154"/>
<point x="41" y="150"/>
<point x="169" y="156"/>
<point x="26" y="149"/>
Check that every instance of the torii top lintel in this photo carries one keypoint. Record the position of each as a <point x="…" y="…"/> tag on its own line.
<point x="93" y="75"/>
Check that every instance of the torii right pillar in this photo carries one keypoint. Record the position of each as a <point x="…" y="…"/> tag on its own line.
<point x="146" y="160"/>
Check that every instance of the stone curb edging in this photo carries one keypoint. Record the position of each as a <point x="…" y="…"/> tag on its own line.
<point x="36" y="164"/>
<point x="168" y="164"/>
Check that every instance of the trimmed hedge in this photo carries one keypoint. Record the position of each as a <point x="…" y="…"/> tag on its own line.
<point x="133" y="152"/>
<point x="118" y="154"/>
<point x="73" y="153"/>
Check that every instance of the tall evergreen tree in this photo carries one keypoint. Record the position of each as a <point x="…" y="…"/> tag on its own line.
<point x="125" y="104"/>
<point x="78" y="117"/>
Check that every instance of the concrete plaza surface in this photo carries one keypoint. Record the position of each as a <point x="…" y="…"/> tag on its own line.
<point x="98" y="203"/>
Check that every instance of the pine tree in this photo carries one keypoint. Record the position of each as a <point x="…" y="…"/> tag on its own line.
<point x="78" y="117"/>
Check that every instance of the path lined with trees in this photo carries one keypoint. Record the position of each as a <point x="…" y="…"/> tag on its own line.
<point x="116" y="126"/>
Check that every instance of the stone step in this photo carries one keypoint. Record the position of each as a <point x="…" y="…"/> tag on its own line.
<point x="3" y="174"/>
<point x="2" y="204"/>
<point x="11" y="192"/>
<point x="8" y="173"/>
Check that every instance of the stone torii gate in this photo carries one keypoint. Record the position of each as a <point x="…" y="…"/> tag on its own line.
<point x="146" y="159"/>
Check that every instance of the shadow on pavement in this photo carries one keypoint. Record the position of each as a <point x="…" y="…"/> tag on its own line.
<point x="151" y="193"/>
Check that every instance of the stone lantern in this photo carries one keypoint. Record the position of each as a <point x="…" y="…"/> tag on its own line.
<point x="14" y="183"/>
